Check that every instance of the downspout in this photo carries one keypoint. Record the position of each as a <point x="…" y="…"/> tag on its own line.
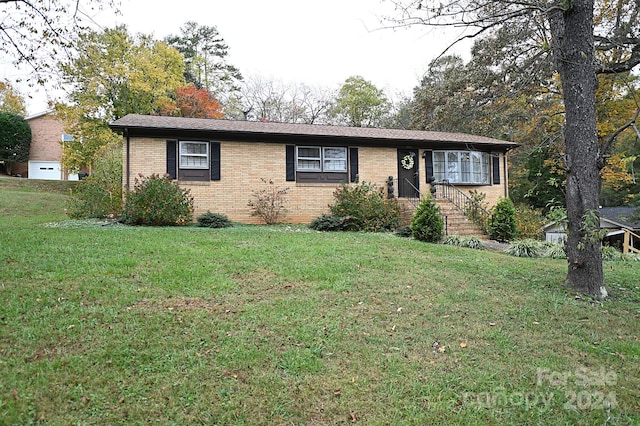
<point x="506" y="175"/>
<point x="127" y="158"/>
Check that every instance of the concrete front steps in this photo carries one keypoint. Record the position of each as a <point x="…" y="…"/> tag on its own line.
<point x="456" y="223"/>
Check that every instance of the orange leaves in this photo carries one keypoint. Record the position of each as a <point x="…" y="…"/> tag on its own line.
<point x="195" y="103"/>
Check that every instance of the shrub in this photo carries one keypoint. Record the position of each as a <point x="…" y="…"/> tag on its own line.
<point x="529" y="222"/>
<point x="404" y="231"/>
<point x="213" y="220"/>
<point x="15" y="139"/>
<point x="157" y="201"/>
<point x="524" y="248"/>
<point x="555" y="251"/>
<point x="610" y="253"/>
<point x="328" y="222"/>
<point x="269" y="202"/>
<point x="367" y="207"/>
<point x="100" y="194"/>
<point x="468" y="242"/>
<point x="502" y="223"/>
<point x="427" y="224"/>
<point x="476" y="212"/>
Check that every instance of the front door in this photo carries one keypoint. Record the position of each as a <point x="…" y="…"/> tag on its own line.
<point x="408" y="178"/>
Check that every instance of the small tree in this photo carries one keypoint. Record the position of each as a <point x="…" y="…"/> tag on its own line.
<point x="269" y="202"/>
<point x="100" y="195"/>
<point x="15" y="139"/>
<point x="502" y="224"/>
<point x="158" y="201"/>
<point x="427" y="224"/>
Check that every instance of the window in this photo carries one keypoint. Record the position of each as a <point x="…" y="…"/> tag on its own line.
<point x="194" y="155"/>
<point x="470" y="167"/>
<point x="317" y="159"/>
<point x="317" y="164"/>
<point x="309" y="159"/>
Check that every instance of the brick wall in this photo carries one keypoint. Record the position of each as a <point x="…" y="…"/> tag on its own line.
<point x="244" y="164"/>
<point x="46" y="134"/>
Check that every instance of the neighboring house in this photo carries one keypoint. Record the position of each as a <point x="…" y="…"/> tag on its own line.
<point x="45" y="154"/>
<point x="222" y="162"/>
<point x="621" y="224"/>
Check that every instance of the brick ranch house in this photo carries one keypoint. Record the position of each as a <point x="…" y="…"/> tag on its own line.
<point x="222" y="161"/>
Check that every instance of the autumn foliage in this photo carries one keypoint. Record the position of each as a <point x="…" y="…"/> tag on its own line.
<point x="194" y="103"/>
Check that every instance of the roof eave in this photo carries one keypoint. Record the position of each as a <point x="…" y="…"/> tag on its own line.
<point x="245" y="135"/>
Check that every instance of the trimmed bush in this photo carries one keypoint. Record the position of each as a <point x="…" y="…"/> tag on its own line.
<point x="427" y="224"/>
<point x="100" y="194"/>
<point x="213" y="220"/>
<point x="157" y="201"/>
<point x="367" y="207"/>
<point x="502" y="223"/>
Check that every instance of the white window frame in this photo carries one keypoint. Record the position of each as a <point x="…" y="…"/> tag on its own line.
<point x="191" y="166"/>
<point x="323" y="159"/>
<point x="463" y="170"/>
<point x="307" y="158"/>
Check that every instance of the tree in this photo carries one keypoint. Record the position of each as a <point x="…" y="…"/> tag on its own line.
<point x="266" y="99"/>
<point x="11" y="100"/>
<point x="195" y="103"/>
<point x="15" y="139"/>
<point x="205" y="57"/>
<point x="114" y="74"/>
<point x="37" y="32"/>
<point x="360" y="103"/>
<point x="571" y="36"/>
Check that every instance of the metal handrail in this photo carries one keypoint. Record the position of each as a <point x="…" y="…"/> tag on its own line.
<point x="413" y="200"/>
<point x="471" y="208"/>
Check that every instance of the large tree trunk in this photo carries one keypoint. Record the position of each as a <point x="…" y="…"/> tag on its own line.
<point x="573" y="48"/>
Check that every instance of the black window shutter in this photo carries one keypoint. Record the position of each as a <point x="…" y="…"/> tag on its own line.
<point x="291" y="162"/>
<point x="214" y="159"/>
<point x="353" y="167"/>
<point x="172" y="163"/>
<point x="428" y="165"/>
<point x="496" y="168"/>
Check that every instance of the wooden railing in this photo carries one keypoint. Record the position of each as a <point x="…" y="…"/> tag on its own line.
<point x="471" y="208"/>
<point x="628" y="246"/>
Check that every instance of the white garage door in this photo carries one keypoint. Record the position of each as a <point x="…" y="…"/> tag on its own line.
<point x="44" y="170"/>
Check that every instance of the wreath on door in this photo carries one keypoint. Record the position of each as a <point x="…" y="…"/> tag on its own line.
<point x="407" y="162"/>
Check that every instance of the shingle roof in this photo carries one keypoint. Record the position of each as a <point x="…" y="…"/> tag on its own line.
<point x="626" y="216"/>
<point x="148" y="122"/>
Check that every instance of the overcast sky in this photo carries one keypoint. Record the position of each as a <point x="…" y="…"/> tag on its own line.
<point x="319" y="43"/>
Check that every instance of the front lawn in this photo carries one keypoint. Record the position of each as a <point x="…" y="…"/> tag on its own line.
<point x="284" y="325"/>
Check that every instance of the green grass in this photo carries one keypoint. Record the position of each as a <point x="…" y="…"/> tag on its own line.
<point x="283" y="325"/>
